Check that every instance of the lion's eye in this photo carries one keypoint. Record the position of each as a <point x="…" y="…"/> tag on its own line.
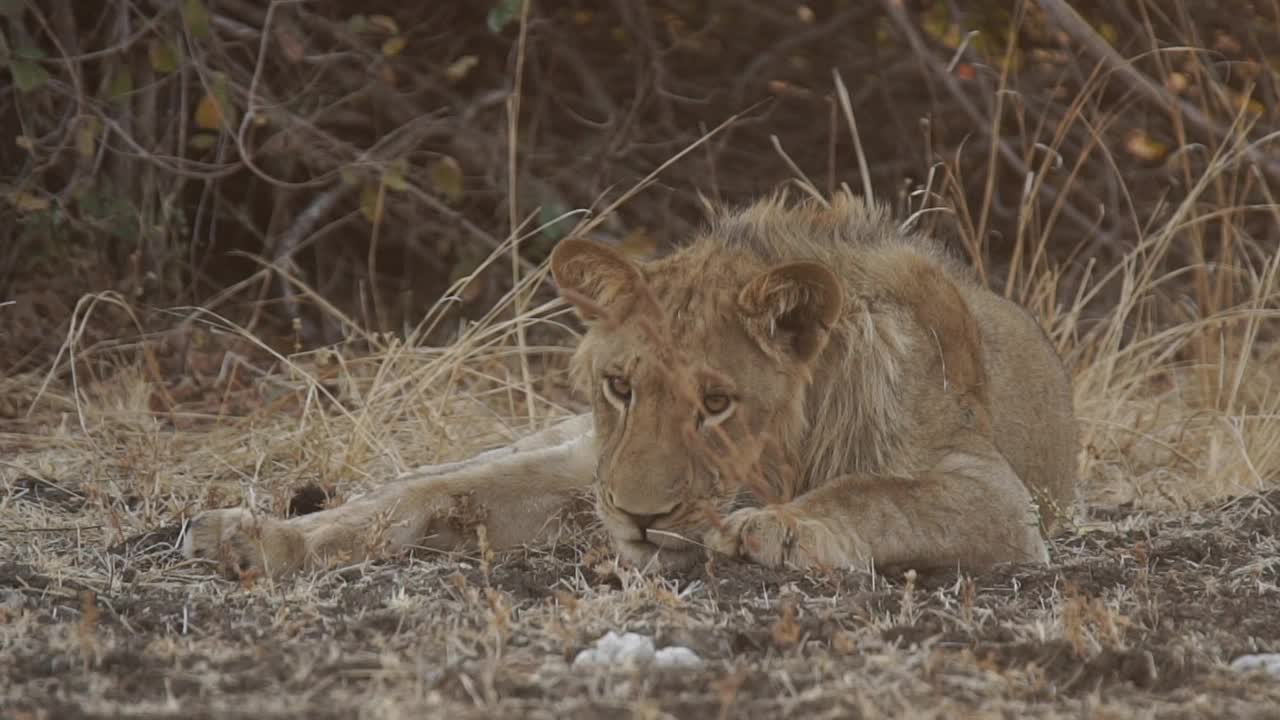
<point x="619" y="387"/>
<point x="716" y="403"/>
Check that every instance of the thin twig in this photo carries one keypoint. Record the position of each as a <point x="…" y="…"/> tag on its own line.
<point x="845" y="105"/>
<point x="513" y="133"/>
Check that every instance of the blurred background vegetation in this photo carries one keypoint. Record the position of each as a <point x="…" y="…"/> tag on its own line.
<point x="301" y="166"/>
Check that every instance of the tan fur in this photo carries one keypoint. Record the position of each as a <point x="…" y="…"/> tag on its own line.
<point x="883" y="409"/>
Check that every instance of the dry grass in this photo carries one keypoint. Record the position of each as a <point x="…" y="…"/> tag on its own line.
<point x="1167" y="574"/>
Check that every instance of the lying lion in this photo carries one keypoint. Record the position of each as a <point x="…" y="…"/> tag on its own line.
<point x="803" y="384"/>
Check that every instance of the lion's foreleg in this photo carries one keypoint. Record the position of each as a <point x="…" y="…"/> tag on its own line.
<point x="969" y="510"/>
<point x="517" y="496"/>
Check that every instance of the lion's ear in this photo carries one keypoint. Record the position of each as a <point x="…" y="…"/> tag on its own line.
<point x="792" y="308"/>
<point x="593" y="277"/>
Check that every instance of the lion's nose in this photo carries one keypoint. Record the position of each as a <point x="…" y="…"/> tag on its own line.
<point x="642" y="521"/>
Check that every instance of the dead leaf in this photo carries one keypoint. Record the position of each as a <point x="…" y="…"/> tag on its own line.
<point x="1142" y="146"/>
<point x="1177" y="82"/>
<point x="638" y="244"/>
<point x="460" y="68"/>
<point x="393" y="45"/>
<point x="26" y="202"/>
<point x="1109" y="33"/>
<point x="209" y="113"/>
<point x="844" y="642"/>
<point x="215" y="109"/>
<point x="786" y="631"/>
<point x="1244" y="103"/>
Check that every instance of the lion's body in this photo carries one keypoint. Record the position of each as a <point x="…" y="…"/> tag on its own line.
<point x="904" y="414"/>
<point x="879" y="411"/>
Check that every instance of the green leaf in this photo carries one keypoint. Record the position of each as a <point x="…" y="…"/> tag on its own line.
<point x="202" y="141"/>
<point x="230" y="115"/>
<point x="163" y="56"/>
<point x="27" y="75"/>
<point x="370" y="207"/>
<point x="121" y="83"/>
<point x="555" y="229"/>
<point x="393" y="176"/>
<point x="196" y="17"/>
<point x="87" y="136"/>
<point x="446" y="178"/>
<point x="30" y="53"/>
<point x="503" y="13"/>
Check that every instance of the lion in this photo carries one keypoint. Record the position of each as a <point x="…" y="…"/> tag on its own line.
<point x="803" y="384"/>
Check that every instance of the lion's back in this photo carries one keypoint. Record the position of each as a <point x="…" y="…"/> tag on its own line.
<point x="1032" y="416"/>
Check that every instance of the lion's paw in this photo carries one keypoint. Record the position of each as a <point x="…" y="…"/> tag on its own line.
<point x="778" y="535"/>
<point x="245" y="545"/>
<point x="757" y="534"/>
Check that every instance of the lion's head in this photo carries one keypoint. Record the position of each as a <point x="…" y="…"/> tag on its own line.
<point x="696" y="366"/>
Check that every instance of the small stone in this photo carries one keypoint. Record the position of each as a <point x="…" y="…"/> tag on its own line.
<point x="627" y="649"/>
<point x="589" y="658"/>
<point x="635" y="650"/>
<point x="676" y="657"/>
<point x="1265" y="662"/>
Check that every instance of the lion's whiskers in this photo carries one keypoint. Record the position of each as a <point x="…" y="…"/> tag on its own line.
<point x="676" y="535"/>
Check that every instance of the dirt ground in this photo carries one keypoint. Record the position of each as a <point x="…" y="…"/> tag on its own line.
<point x="1139" y="615"/>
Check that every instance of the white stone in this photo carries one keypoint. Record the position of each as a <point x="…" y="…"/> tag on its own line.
<point x="677" y="657"/>
<point x="590" y="658"/>
<point x="1266" y="662"/>
<point x="633" y="650"/>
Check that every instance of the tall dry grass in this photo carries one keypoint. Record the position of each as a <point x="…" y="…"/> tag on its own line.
<point x="1173" y="347"/>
